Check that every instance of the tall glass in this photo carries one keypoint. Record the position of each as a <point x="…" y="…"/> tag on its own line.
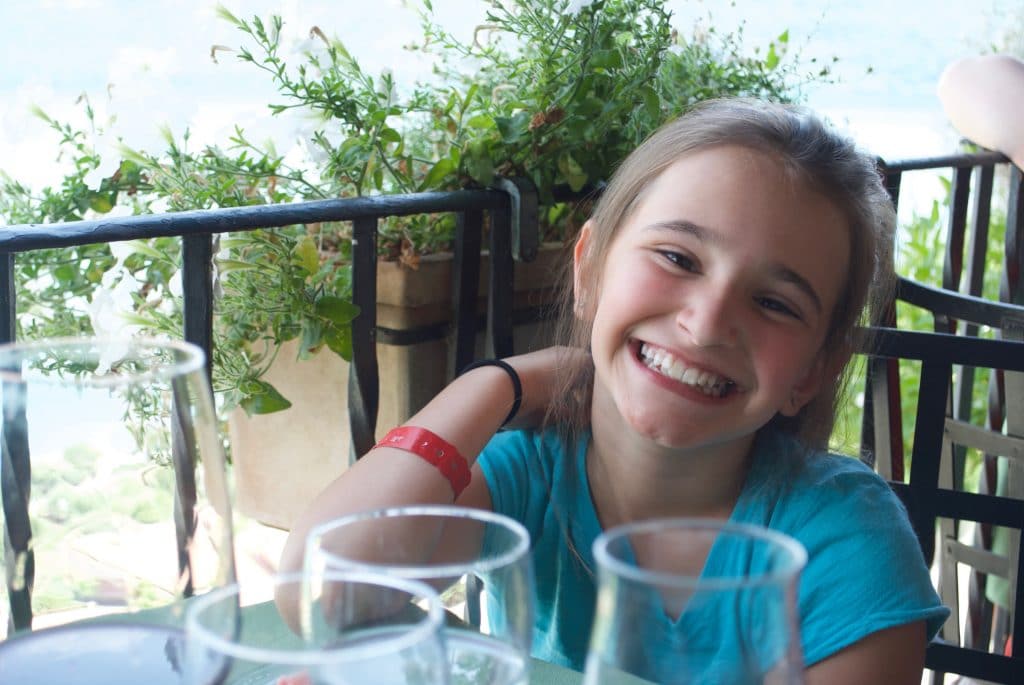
<point x="686" y="601"/>
<point x="479" y="562"/>
<point x="366" y="628"/>
<point x="114" y="488"/>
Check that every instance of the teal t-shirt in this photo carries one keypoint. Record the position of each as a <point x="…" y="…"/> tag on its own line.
<point x="865" y="571"/>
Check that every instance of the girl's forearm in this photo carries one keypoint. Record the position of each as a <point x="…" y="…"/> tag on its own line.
<point x="467" y="413"/>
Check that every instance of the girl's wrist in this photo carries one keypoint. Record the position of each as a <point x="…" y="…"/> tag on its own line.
<point x="513" y="379"/>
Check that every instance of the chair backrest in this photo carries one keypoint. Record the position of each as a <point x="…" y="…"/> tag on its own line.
<point x="935" y="502"/>
<point x="983" y="429"/>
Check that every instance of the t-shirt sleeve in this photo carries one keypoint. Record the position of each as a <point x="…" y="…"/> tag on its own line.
<point x="512" y="465"/>
<point x="865" y="570"/>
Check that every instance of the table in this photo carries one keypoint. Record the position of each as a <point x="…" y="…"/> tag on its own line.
<point x="161" y="624"/>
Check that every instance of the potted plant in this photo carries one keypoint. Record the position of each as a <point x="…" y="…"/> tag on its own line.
<point x="553" y="91"/>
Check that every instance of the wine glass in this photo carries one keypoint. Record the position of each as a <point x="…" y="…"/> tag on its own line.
<point x="115" y="493"/>
<point x="479" y="562"/>
<point x="684" y="601"/>
<point x="364" y="628"/>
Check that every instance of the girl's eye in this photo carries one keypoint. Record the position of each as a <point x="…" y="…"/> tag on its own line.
<point x="681" y="260"/>
<point x="777" y="306"/>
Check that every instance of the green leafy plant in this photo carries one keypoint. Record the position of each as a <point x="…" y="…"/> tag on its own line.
<point x="554" y="91"/>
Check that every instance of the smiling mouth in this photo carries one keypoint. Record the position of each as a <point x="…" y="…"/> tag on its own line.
<point x="661" y="362"/>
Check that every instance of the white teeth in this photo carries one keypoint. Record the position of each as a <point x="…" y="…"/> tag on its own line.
<point x="664" y="363"/>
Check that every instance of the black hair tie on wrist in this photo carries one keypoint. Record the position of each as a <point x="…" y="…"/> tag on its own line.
<point x="517" y="386"/>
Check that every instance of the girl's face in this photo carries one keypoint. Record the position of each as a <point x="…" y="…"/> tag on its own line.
<point x="715" y="298"/>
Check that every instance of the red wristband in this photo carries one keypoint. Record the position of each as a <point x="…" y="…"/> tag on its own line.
<point x="433" y="449"/>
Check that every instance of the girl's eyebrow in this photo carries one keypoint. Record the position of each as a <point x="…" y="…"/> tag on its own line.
<point x="780" y="271"/>
<point x="699" y="232"/>
<point x="786" y="274"/>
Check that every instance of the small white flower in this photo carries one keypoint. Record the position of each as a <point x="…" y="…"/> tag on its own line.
<point x="121" y="250"/>
<point x="105" y="169"/>
<point x="174" y="285"/>
<point x="111" y="304"/>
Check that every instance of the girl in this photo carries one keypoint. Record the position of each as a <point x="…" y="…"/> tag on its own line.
<point x="715" y="289"/>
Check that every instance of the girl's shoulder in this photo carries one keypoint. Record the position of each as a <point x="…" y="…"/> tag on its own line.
<point x="795" y="472"/>
<point x="796" y="458"/>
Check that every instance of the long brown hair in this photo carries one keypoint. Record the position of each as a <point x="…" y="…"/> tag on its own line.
<point x="814" y="154"/>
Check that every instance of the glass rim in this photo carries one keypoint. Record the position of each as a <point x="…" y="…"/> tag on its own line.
<point x="792" y="548"/>
<point x="433" y="571"/>
<point x="312" y="656"/>
<point x="189" y="358"/>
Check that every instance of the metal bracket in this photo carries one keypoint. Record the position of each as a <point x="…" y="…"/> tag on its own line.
<point x="522" y="194"/>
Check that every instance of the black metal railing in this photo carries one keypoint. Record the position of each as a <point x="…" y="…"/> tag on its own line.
<point x="513" y="232"/>
<point x="511" y="212"/>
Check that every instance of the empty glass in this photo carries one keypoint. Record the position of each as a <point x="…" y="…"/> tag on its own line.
<point x="684" y="601"/>
<point x="114" y="489"/>
<point x="478" y="560"/>
<point x="365" y="628"/>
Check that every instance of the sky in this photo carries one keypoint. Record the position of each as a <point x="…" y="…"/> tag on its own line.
<point x="146" y="64"/>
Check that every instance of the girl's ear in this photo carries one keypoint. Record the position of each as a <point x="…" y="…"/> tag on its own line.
<point x="579" y="255"/>
<point x="824" y="369"/>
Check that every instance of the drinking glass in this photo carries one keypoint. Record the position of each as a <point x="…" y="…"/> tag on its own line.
<point x="114" y="488"/>
<point x="683" y="601"/>
<point x="365" y="628"/>
<point x="479" y="562"/>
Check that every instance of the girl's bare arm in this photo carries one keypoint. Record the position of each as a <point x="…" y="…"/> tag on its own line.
<point x="894" y="656"/>
<point x="983" y="97"/>
<point x="467" y="413"/>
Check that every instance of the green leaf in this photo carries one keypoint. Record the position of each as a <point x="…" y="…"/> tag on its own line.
<point x="144" y="248"/>
<point x="481" y="121"/>
<point x="266" y="401"/>
<point x="65" y="273"/>
<point x="307" y="254"/>
<point x="513" y="128"/>
<point x="336" y="309"/>
<point x="652" y="102"/>
<point x="226" y="265"/>
<point x="339" y="341"/>
<point x="100" y="203"/>
<point x="389" y="135"/>
<point x="771" y="60"/>
<point x="312" y="338"/>
<point x="591" y="106"/>
<point x="470" y="94"/>
<point x="573" y="172"/>
<point x="478" y="163"/>
<point x="437" y="173"/>
<point x="606" y="59"/>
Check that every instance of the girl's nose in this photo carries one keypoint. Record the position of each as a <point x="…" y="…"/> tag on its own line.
<point x="709" y="318"/>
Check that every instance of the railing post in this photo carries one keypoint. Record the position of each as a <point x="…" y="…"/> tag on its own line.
<point x="363" y="374"/>
<point x="465" y="288"/>
<point x="500" y="288"/>
<point x="197" y="289"/>
<point x="15" y="493"/>
<point x="524" y="235"/>
<point x="1012" y="288"/>
<point x="8" y="308"/>
<point x="514" y="237"/>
